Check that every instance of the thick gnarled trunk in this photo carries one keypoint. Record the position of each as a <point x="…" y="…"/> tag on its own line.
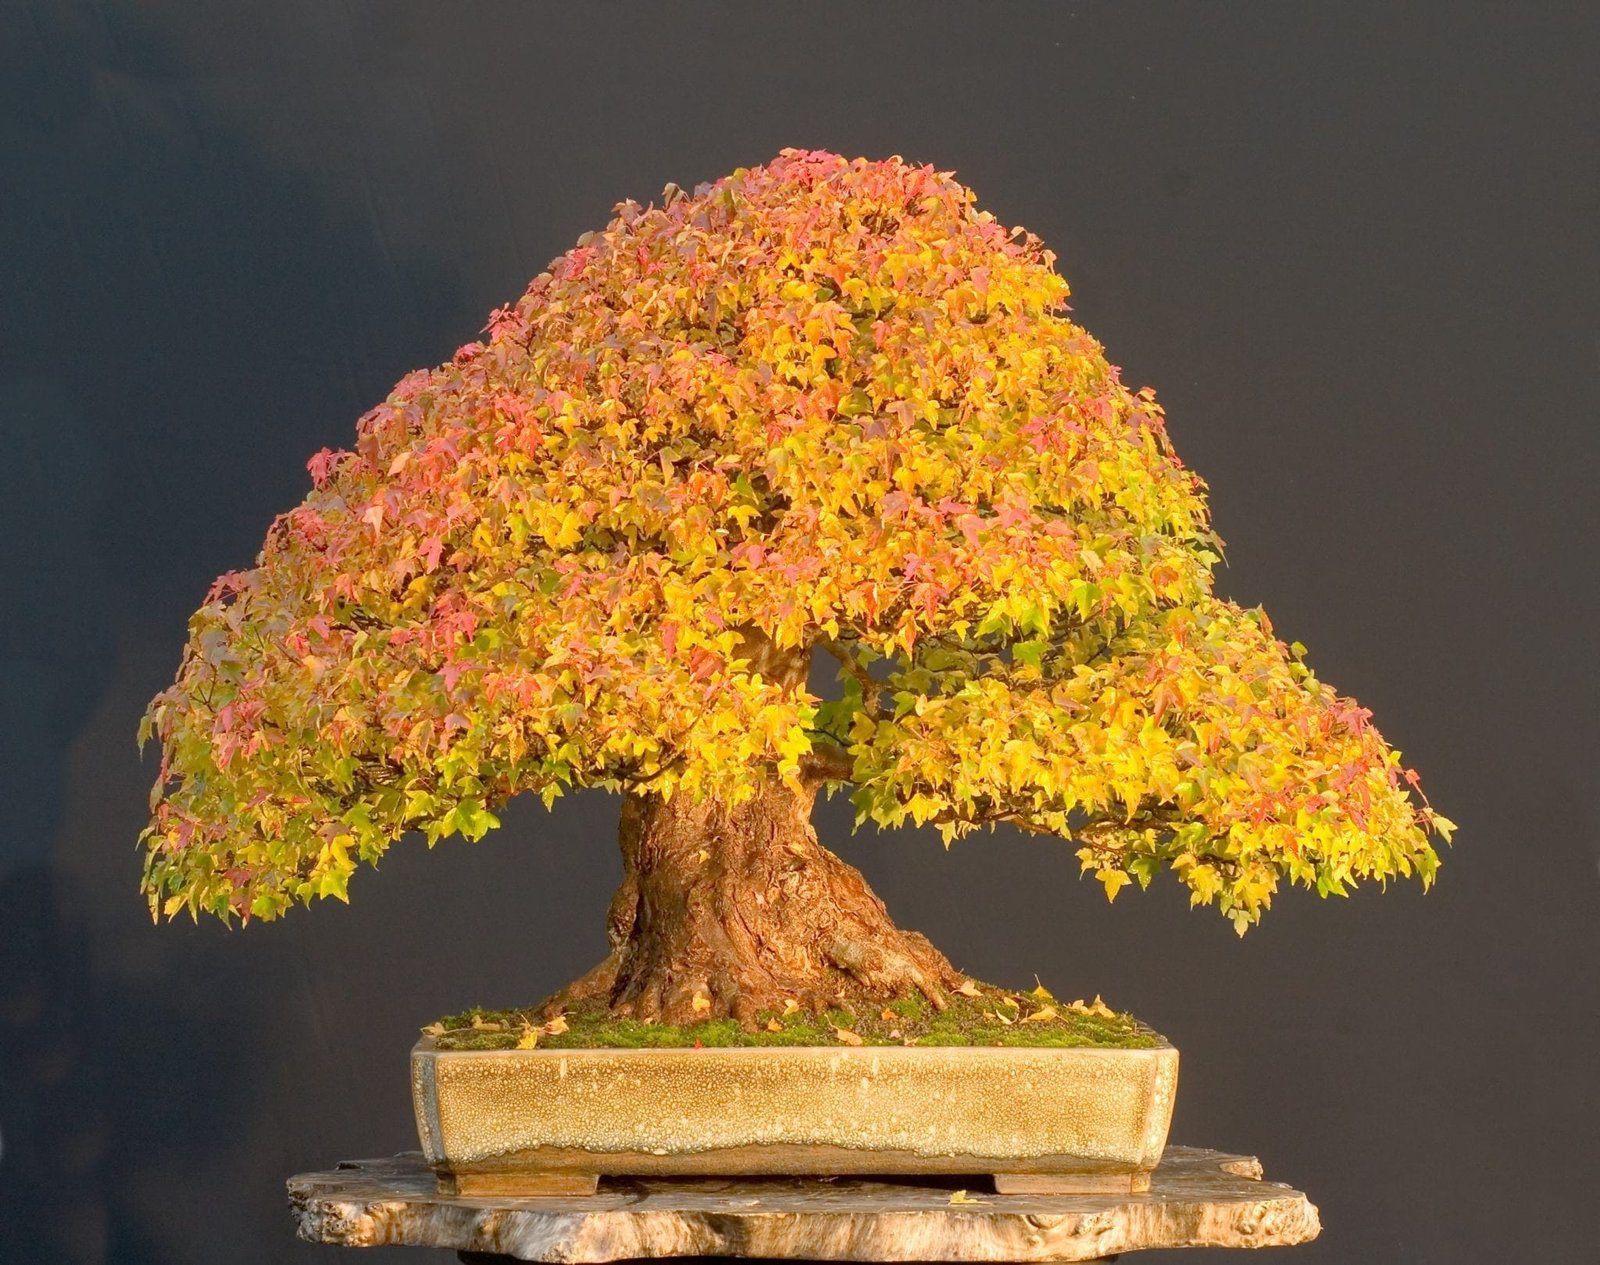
<point x="731" y="909"/>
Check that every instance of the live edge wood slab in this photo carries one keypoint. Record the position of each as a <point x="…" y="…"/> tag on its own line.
<point x="1197" y="1198"/>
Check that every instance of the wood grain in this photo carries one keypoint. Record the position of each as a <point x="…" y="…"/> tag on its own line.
<point x="1197" y="1198"/>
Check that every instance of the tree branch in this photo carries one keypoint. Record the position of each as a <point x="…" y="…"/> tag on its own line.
<point x="992" y="817"/>
<point x="870" y="689"/>
<point x="827" y="763"/>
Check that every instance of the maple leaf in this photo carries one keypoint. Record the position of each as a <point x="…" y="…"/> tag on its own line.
<point x="321" y="465"/>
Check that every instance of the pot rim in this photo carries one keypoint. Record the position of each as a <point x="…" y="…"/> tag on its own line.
<point x="427" y="1045"/>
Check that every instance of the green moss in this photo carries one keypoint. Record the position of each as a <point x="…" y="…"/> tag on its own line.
<point x="991" y="1016"/>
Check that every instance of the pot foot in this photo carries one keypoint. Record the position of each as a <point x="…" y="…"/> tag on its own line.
<point x="517" y="1185"/>
<point x="1071" y="1183"/>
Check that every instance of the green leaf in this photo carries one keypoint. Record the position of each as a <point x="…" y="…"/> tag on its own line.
<point x="1030" y="653"/>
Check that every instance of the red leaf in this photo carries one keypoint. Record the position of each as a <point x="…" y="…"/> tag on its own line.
<point x="321" y="466"/>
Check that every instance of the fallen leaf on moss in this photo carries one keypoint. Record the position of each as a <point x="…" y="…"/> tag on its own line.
<point x="790" y="1005"/>
<point x="701" y="1003"/>
<point x="433" y="1030"/>
<point x="556" y="1026"/>
<point x="961" y="1197"/>
<point x="1041" y="1015"/>
<point x="848" y="1037"/>
<point x="774" y="1026"/>
<point x="887" y="1015"/>
<point x="967" y="988"/>
<point x="528" y="1039"/>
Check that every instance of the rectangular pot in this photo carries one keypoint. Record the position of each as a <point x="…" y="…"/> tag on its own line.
<point x="553" y="1121"/>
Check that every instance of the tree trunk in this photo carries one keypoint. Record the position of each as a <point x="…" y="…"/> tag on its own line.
<point x="730" y="909"/>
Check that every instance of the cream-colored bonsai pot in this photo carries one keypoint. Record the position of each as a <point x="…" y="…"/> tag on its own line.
<point x="1040" y="1118"/>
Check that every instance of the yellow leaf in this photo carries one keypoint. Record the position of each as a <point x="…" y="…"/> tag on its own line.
<point x="701" y="1003"/>
<point x="961" y="1197"/>
<point x="848" y="1037"/>
<point x="1114" y="880"/>
<point x="433" y="1030"/>
<point x="968" y="988"/>
<point x="790" y="1005"/>
<point x="1041" y="1015"/>
<point x="774" y="1026"/>
<point x="556" y="1026"/>
<point x="887" y="1015"/>
<point x="528" y="1039"/>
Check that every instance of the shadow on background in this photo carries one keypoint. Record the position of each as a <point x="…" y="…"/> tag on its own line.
<point x="168" y="263"/>
<point x="80" y="1095"/>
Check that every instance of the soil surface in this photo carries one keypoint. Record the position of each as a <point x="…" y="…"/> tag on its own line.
<point x="976" y="1014"/>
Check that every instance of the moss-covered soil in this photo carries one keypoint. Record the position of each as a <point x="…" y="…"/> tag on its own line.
<point x="980" y="1014"/>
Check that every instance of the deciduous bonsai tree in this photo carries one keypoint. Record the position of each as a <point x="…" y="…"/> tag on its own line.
<point x="821" y="408"/>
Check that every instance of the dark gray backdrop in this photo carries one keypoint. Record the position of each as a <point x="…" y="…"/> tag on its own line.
<point x="1352" y="246"/>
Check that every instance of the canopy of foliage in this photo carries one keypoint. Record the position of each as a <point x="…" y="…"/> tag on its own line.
<point x="818" y="404"/>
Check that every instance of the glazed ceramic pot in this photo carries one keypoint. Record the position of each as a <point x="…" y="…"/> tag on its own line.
<point x="554" y="1121"/>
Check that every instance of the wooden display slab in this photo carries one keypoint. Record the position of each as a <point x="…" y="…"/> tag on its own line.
<point x="1197" y="1198"/>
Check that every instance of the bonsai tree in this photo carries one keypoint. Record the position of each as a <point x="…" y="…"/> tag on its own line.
<point x="821" y="411"/>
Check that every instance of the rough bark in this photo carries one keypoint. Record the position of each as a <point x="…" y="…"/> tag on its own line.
<point x="730" y="909"/>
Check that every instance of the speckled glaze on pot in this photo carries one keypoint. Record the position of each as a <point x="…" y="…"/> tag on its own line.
<point x="799" y="1109"/>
